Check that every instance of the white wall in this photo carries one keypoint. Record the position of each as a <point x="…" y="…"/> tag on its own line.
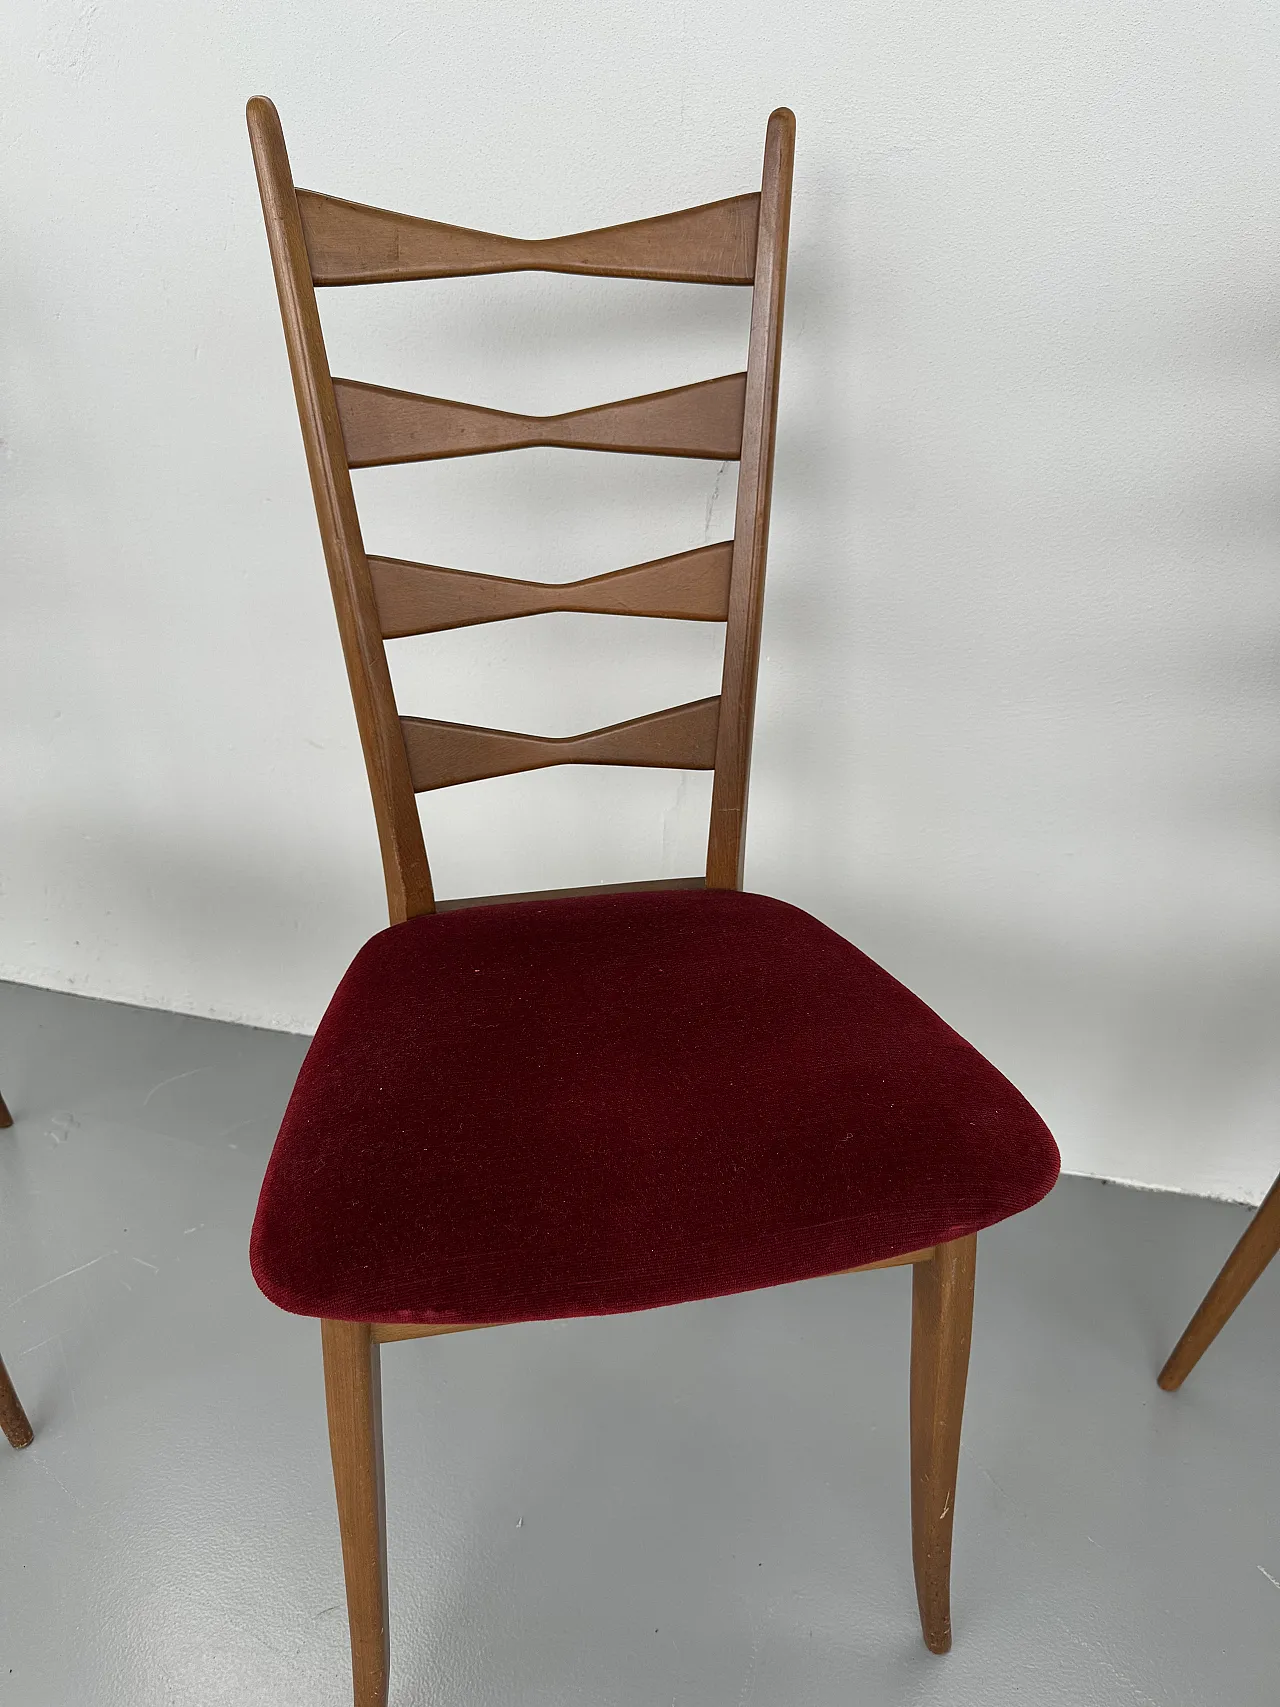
<point x="1018" y="723"/>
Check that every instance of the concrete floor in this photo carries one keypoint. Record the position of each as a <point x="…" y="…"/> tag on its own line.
<point x="696" y="1506"/>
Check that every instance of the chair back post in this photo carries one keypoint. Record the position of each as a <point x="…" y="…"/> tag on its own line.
<point x="726" y="842"/>
<point x="404" y="854"/>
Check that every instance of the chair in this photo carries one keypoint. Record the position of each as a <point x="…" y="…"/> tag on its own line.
<point x="13" y="1419"/>
<point x="1257" y="1245"/>
<point x="589" y="1102"/>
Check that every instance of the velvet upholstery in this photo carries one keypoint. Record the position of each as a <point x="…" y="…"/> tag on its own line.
<point x="576" y="1107"/>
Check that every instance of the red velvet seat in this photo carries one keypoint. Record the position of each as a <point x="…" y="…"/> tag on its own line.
<point x="575" y="1107"/>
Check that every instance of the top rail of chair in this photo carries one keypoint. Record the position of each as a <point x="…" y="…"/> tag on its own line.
<point x="349" y="243"/>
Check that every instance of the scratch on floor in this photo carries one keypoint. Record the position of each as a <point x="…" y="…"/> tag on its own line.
<point x="143" y="1263"/>
<point x="753" y="1662"/>
<point x="67" y="1276"/>
<point x="173" y="1081"/>
<point x="753" y="1667"/>
<point x="61" y="1127"/>
<point x="71" y="1386"/>
<point x="239" y="1126"/>
<point x="992" y="1480"/>
<point x="66" y="1490"/>
<point x="1267" y="1574"/>
<point x="54" y="1338"/>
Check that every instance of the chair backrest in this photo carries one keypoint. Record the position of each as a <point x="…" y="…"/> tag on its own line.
<point x="319" y="240"/>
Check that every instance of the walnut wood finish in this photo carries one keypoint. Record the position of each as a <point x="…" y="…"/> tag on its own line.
<point x="444" y="754"/>
<point x="1258" y="1244"/>
<point x="404" y="857"/>
<point x="13" y="1419"/>
<point x="381" y="426"/>
<point x="941" y="1322"/>
<point x="353" y="1398"/>
<point x="352" y="244"/>
<point x="726" y="846"/>
<point x="387" y="1332"/>
<point x="350" y="424"/>
<point x="908" y="1259"/>
<point x="423" y="598"/>
<point x="651" y="884"/>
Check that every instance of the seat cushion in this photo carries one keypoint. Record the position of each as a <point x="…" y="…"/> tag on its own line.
<point x="576" y="1107"/>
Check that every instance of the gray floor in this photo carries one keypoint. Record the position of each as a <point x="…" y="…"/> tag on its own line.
<point x="696" y="1506"/>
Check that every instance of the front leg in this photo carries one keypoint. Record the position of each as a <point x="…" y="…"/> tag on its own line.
<point x="941" y="1321"/>
<point x="353" y="1397"/>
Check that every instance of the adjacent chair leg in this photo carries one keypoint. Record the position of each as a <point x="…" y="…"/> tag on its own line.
<point x="1258" y="1244"/>
<point x="6" y="1119"/>
<point x="13" y="1419"/>
<point x="941" y="1320"/>
<point x="353" y="1397"/>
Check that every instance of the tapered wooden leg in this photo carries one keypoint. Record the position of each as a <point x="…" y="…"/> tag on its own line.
<point x="1258" y="1244"/>
<point x="6" y="1119"/>
<point x="941" y="1320"/>
<point x="13" y="1419"/>
<point x="353" y="1397"/>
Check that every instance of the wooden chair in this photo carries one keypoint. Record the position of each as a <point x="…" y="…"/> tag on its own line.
<point x="598" y="1101"/>
<point x="13" y="1419"/>
<point x="1258" y="1244"/>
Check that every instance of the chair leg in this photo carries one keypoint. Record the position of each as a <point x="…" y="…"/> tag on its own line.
<point x="353" y="1397"/>
<point x="941" y="1320"/>
<point x="13" y="1419"/>
<point x="6" y="1119"/>
<point x="1258" y="1244"/>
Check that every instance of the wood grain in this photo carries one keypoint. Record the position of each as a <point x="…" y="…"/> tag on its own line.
<point x="404" y="857"/>
<point x="349" y="243"/>
<point x="652" y="884"/>
<point x="381" y="426"/>
<point x="423" y="598"/>
<point x="353" y="1400"/>
<point x="726" y="418"/>
<point x="941" y="1324"/>
<point x="13" y="1419"/>
<point x="1258" y="1244"/>
<point x="726" y="841"/>
<point x="907" y="1259"/>
<point x="387" y="1333"/>
<point x="442" y="755"/>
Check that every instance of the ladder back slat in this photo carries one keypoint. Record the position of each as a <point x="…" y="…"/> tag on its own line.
<point x="441" y="755"/>
<point x="382" y="426"/>
<point x="423" y="598"/>
<point x="349" y="243"/>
